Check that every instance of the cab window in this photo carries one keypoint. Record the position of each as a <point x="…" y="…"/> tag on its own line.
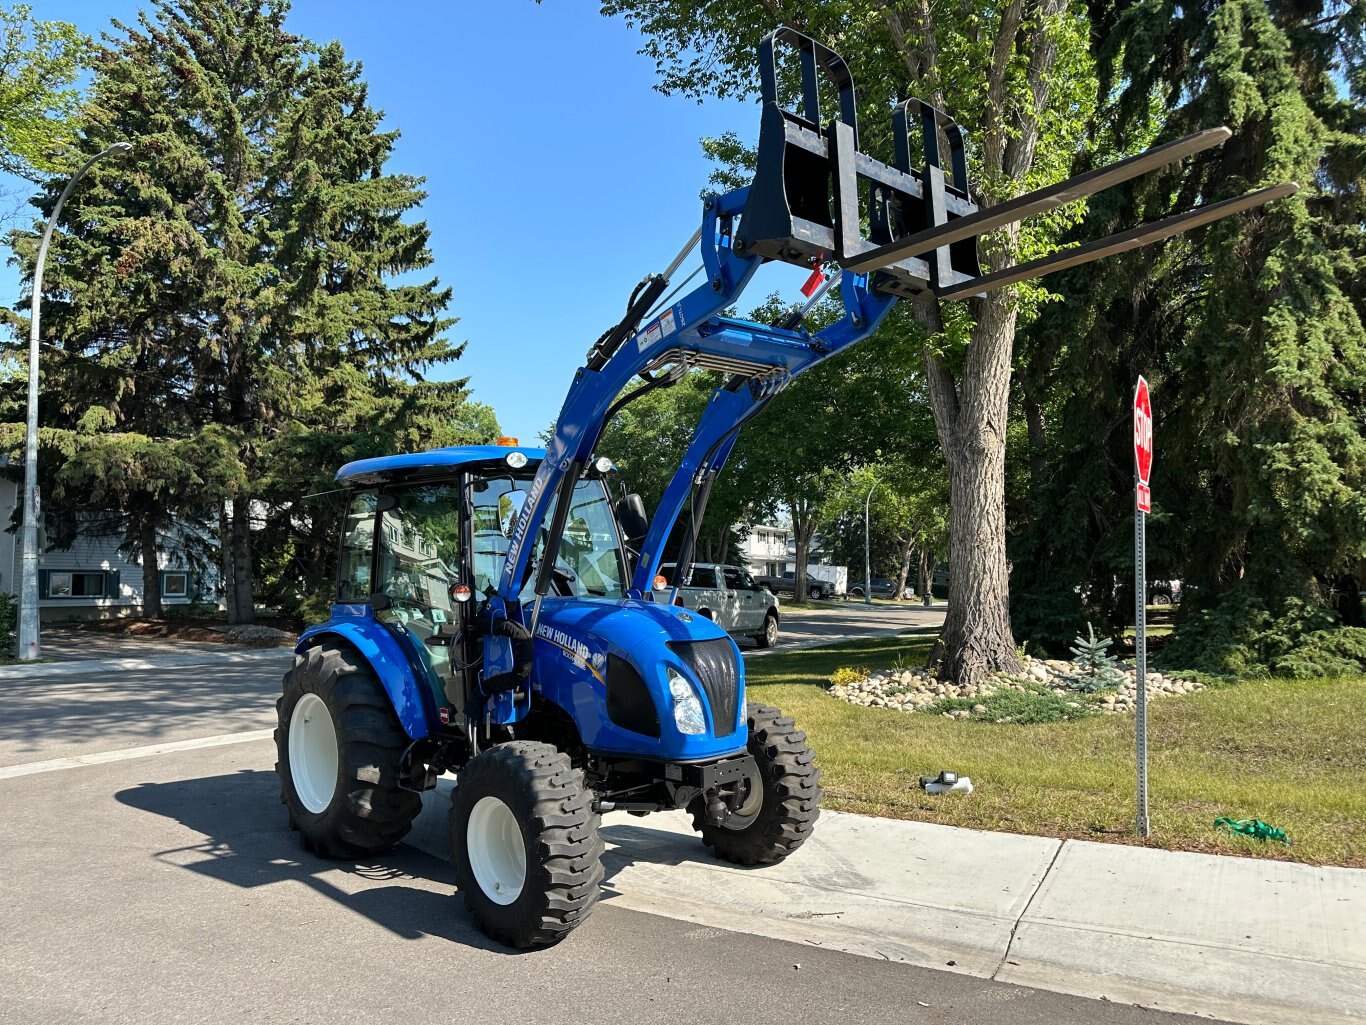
<point x="419" y="549"/>
<point x="589" y="561"/>
<point x="703" y="576"/>
<point x="357" y="549"/>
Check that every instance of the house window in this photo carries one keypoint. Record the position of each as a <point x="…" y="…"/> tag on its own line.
<point x="74" y="584"/>
<point x="175" y="584"/>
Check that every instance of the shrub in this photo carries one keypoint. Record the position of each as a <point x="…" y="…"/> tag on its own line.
<point x="1340" y="652"/>
<point x="845" y="675"/>
<point x="1099" y="669"/>
<point x="1241" y="637"/>
<point x="9" y="623"/>
<point x="195" y="610"/>
<point x="1035" y="704"/>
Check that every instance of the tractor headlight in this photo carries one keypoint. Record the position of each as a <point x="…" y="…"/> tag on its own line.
<point x="688" y="715"/>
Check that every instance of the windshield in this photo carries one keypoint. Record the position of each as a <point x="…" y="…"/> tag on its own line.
<point x="589" y="561"/>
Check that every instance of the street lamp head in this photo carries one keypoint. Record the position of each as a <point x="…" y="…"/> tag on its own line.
<point x="121" y="147"/>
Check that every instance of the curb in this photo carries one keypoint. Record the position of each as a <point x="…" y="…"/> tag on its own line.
<point x="229" y="655"/>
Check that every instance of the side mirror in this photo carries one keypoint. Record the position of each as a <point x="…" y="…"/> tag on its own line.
<point x="509" y="509"/>
<point x="630" y="513"/>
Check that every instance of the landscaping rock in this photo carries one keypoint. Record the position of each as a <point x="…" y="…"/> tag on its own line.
<point x="257" y="636"/>
<point x="911" y="690"/>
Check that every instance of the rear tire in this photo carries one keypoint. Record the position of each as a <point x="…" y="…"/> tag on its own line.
<point x="791" y="795"/>
<point x="527" y="855"/>
<point x="338" y="746"/>
<point x="768" y="636"/>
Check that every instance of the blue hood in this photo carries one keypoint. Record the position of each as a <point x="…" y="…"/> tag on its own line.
<point x="607" y="663"/>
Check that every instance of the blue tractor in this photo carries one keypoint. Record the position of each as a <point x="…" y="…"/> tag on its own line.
<point x="498" y="609"/>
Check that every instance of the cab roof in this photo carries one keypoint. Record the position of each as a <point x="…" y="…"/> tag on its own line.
<point x="369" y="471"/>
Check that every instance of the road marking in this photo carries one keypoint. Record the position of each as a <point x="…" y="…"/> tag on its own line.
<point x="127" y="753"/>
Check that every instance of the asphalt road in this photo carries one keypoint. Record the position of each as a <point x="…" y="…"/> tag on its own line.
<point x="165" y="887"/>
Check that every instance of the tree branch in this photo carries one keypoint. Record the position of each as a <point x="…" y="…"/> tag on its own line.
<point x="913" y="36"/>
<point x="1006" y="36"/>
<point x="1019" y="153"/>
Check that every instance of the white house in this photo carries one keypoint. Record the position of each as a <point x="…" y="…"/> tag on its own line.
<point x="92" y="580"/>
<point x="768" y="549"/>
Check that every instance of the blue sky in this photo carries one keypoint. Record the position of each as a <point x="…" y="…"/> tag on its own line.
<point x="558" y="176"/>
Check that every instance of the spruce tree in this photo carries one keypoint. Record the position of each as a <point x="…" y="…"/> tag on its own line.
<point x="1250" y="332"/>
<point x="230" y="294"/>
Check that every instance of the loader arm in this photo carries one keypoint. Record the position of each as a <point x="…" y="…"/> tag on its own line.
<point x="759" y="359"/>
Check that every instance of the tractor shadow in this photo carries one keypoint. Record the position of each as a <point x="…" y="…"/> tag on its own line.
<point x="246" y="842"/>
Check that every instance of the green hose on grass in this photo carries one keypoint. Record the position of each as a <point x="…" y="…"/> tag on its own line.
<point x="1255" y="828"/>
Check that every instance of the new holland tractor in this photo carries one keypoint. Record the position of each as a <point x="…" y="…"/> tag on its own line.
<point x="498" y="612"/>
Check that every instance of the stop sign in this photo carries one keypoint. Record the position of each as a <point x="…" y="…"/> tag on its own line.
<point x="1143" y="442"/>
<point x="1143" y="431"/>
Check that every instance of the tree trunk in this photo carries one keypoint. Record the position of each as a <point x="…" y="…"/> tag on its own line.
<point x="151" y="569"/>
<point x="225" y="565"/>
<point x="925" y="580"/>
<point x="905" y="565"/>
<point x="970" y="418"/>
<point x="1038" y="438"/>
<point x="803" y="529"/>
<point x="242" y="609"/>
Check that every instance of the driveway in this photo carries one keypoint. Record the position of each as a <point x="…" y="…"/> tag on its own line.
<point x="840" y="620"/>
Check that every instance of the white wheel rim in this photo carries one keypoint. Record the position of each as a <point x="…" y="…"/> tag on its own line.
<point x="771" y="629"/>
<point x="313" y="753"/>
<point x="497" y="851"/>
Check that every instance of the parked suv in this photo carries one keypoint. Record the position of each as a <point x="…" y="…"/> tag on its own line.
<point x="729" y="596"/>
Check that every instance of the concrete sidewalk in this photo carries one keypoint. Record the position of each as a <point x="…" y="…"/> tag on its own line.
<point x="1254" y="941"/>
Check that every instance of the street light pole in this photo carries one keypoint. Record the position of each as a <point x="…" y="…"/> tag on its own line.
<point x="867" y="560"/>
<point x="28" y="645"/>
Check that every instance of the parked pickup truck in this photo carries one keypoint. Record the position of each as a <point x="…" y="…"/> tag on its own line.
<point x="821" y="582"/>
<point x="729" y="596"/>
<point x="882" y="588"/>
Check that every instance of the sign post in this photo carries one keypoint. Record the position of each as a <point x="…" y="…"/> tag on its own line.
<point x="1143" y="503"/>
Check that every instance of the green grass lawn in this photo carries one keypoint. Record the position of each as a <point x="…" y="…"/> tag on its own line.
<point x="1289" y="752"/>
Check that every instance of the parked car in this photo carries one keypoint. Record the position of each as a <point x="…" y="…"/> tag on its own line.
<point x="821" y="582"/>
<point x="731" y="598"/>
<point x="883" y="587"/>
<point x="1164" y="592"/>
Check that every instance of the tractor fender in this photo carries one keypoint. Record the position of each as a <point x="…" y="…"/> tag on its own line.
<point x="380" y="648"/>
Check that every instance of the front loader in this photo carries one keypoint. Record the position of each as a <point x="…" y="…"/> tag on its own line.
<point x="499" y="613"/>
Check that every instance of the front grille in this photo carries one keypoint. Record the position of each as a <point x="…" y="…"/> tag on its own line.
<point x="713" y="663"/>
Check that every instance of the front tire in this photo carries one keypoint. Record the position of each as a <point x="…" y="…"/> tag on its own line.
<point x="790" y="795"/>
<point x="527" y="855"/>
<point x="338" y="746"/>
<point x="768" y="636"/>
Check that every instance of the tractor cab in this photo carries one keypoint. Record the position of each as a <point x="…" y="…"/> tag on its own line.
<point x="424" y="539"/>
<point x="599" y="668"/>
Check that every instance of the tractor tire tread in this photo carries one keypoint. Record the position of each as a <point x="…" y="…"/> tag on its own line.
<point x="370" y="813"/>
<point x="564" y="870"/>
<point x="791" y="799"/>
